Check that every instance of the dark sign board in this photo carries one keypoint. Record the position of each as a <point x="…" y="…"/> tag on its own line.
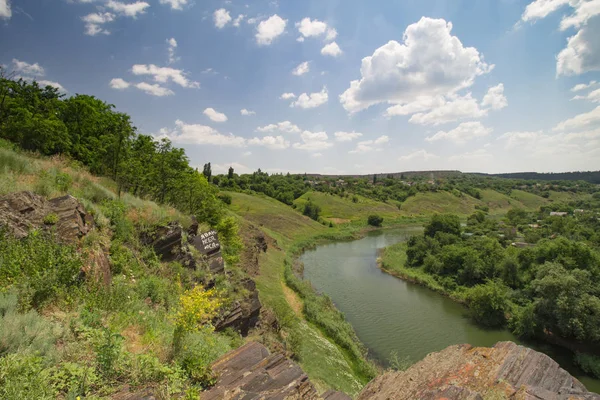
<point x="207" y="243"/>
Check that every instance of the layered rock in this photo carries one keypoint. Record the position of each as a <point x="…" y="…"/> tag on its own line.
<point x="505" y="371"/>
<point x="22" y="211"/>
<point x="243" y="315"/>
<point x="252" y="373"/>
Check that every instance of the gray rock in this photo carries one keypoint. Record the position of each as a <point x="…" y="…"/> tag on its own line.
<point x="22" y="211"/>
<point x="252" y="373"/>
<point x="464" y="372"/>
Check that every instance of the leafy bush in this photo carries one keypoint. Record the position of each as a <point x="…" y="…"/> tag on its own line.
<point x="24" y="332"/>
<point x="375" y="220"/>
<point x="51" y="219"/>
<point x="108" y="351"/>
<point x="23" y="376"/>
<point x="488" y="303"/>
<point x="63" y="181"/>
<point x="115" y="211"/>
<point x="72" y="379"/>
<point x="197" y="307"/>
<point x="41" y="266"/>
<point x="225" y="198"/>
<point x="312" y="210"/>
<point x="589" y="363"/>
<point x="443" y="223"/>
<point x="198" y="351"/>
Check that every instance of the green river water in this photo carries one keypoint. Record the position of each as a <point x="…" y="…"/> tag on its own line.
<point x="391" y="315"/>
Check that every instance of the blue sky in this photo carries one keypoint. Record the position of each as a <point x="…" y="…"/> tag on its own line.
<point x="332" y="86"/>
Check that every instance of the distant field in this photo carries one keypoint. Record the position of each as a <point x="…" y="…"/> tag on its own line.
<point x="337" y="208"/>
<point x="567" y="196"/>
<point x="439" y="202"/>
<point x="274" y="215"/>
<point x="529" y="200"/>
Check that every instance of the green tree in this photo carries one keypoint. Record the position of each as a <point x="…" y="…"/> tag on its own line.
<point x="230" y="173"/>
<point x="447" y="223"/>
<point x="488" y="303"/>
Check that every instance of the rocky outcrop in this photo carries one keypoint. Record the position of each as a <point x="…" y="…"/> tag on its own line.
<point x="243" y="315"/>
<point x="166" y="240"/>
<point x="22" y="211"/>
<point x="505" y="371"/>
<point x="252" y="373"/>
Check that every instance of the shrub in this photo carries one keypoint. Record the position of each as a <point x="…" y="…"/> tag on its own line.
<point x="312" y="210"/>
<point x="63" y="181"/>
<point x="24" y="332"/>
<point x="41" y="266"/>
<point x="375" y="220"/>
<point x="23" y="376"/>
<point x="51" y="219"/>
<point x="120" y="225"/>
<point x="197" y="307"/>
<point x="108" y="351"/>
<point x="198" y="351"/>
<point x="488" y="303"/>
<point x="73" y="379"/>
<point x="225" y="198"/>
<point x="589" y="363"/>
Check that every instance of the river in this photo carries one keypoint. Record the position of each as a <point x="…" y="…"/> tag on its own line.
<point x="390" y="315"/>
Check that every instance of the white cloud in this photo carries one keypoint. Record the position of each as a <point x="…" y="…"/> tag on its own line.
<point x="164" y="74"/>
<point x="175" y="4"/>
<point x="300" y="39"/>
<point x="420" y="104"/>
<point x="270" y="29"/>
<point x="285" y="127"/>
<point x="311" y="100"/>
<point x="370" y="145"/>
<point x="584" y="86"/>
<point x="542" y="8"/>
<point x="593" y="96"/>
<point x="214" y="115"/>
<point x="313" y="141"/>
<point x="418" y="155"/>
<point x="128" y="10"/>
<point x="237" y="168"/>
<point x="57" y="85"/>
<point x="582" y="53"/>
<point x="584" y="11"/>
<point x="287" y="96"/>
<point x="25" y="68"/>
<point x="94" y="21"/>
<point x="154" y="89"/>
<point x="519" y="139"/>
<point x="430" y="62"/>
<point x="119" y="84"/>
<point x="331" y="49"/>
<point x="251" y="21"/>
<point x="238" y="20"/>
<point x="243" y="111"/>
<point x="582" y="121"/>
<point x="315" y="28"/>
<point x="495" y="98"/>
<point x="480" y="155"/>
<point x="462" y="133"/>
<point x="202" y="135"/>
<point x="271" y="142"/>
<point x="172" y="43"/>
<point x="453" y="110"/>
<point x="221" y="18"/>
<point x="317" y="155"/>
<point x="301" y="69"/>
<point x="247" y="153"/>
<point x="5" y="11"/>
<point x="346" y="136"/>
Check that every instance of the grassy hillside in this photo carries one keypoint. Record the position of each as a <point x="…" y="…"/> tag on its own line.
<point x="339" y="209"/>
<point x="529" y="200"/>
<point x="274" y="216"/>
<point x="497" y="202"/>
<point x="565" y="197"/>
<point x="439" y="202"/>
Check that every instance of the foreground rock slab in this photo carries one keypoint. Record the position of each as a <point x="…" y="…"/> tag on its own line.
<point x="505" y="371"/>
<point x="251" y="372"/>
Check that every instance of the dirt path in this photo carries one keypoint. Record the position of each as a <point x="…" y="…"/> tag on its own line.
<point x="292" y="298"/>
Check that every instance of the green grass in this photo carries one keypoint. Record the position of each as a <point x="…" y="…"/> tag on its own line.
<point x="497" y="202"/>
<point x="337" y="208"/>
<point x="565" y="197"/>
<point x="529" y="200"/>
<point x="274" y="216"/>
<point x="439" y="202"/>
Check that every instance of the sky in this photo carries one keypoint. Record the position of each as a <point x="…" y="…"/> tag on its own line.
<point x="331" y="86"/>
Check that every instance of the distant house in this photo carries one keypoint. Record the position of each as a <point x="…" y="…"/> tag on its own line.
<point x="521" y="244"/>
<point x="534" y="226"/>
<point x="579" y="211"/>
<point x="558" y="214"/>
